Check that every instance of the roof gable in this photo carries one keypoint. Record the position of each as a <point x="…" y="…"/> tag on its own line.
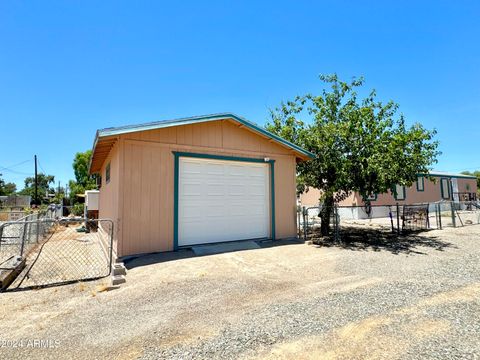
<point x="109" y="134"/>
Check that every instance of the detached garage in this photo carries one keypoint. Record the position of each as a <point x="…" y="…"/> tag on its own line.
<point x="199" y="180"/>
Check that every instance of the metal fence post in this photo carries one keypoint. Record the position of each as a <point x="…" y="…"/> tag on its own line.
<point x="391" y="218"/>
<point x="453" y="214"/>
<point x="440" y="215"/>
<point x="22" y="245"/>
<point x="304" y="224"/>
<point x="299" y="220"/>
<point x="398" y="219"/>
<point x="428" y="216"/>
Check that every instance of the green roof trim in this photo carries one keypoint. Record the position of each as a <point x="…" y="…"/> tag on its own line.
<point x="448" y="175"/>
<point x="195" y="120"/>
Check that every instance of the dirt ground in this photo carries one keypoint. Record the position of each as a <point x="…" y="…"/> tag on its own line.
<point x="356" y="300"/>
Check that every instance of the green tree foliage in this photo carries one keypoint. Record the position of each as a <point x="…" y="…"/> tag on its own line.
<point x="359" y="144"/>
<point x="80" y="169"/>
<point x="477" y="174"/>
<point x="44" y="182"/>
<point x="83" y="180"/>
<point x="7" y="188"/>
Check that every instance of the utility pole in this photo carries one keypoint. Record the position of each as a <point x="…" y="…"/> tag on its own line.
<point x="36" y="181"/>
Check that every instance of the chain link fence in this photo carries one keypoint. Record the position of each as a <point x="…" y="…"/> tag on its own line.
<point x="58" y="251"/>
<point x="17" y="237"/>
<point x="394" y="218"/>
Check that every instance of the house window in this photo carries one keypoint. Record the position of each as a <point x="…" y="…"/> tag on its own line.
<point x="445" y="188"/>
<point x="371" y="197"/>
<point x="400" y="192"/>
<point x="420" y="183"/>
<point x="107" y="173"/>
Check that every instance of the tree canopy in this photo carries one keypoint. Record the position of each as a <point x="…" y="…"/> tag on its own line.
<point x="83" y="180"/>
<point x="360" y="145"/>
<point x="44" y="181"/>
<point x="7" y="188"/>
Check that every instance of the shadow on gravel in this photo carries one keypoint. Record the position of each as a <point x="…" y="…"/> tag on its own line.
<point x="186" y="253"/>
<point x="352" y="238"/>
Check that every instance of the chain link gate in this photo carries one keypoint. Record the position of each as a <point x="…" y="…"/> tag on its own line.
<point x="58" y="251"/>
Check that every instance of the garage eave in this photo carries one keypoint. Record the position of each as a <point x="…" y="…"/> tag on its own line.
<point x="116" y="131"/>
<point x="100" y="151"/>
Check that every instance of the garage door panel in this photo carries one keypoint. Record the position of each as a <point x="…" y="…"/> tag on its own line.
<point x="222" y="200"/>
<point x="236" y="170"/>
<point x="257" y="173"/>
<point x="192" y="213"/>
<point x="191" y="167"/>
<point x="192" y="189"/>
<point x="236" y="189"/>
<point x="257" y="190"/>
<point x="215" y="169"/>
<point x="214" y="211"/>
<point x="216" y="190"/>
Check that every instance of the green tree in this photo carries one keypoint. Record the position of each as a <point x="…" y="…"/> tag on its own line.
<point x="83" y="180"/>
<point x="7" y="188"/>
<point x="43" y="187"/>
<point x="360" y="144"/>
<point x="80" y="169"/>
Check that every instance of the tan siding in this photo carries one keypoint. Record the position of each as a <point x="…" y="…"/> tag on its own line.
<point x="285" y="197"/>
<point x="216" y="134"/>
<point x="467" y="185"/>
<point x="431" y="193"/>
<point x="148" y="181"/>
<point x="109" y="208"/>
<point x="312" y="198"/>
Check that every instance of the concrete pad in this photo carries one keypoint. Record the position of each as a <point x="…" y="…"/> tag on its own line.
<point x="211" y="249"/>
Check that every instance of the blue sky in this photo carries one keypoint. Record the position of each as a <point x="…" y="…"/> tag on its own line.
<point x="69" y="68"/>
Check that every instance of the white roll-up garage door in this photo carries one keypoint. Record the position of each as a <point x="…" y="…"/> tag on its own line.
<point x="222" y="200"/>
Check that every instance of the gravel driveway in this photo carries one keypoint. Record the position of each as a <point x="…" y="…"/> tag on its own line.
<point x="292" y="300"/>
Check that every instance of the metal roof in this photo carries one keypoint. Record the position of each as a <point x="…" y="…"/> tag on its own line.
<point x="448" y="174"/>
<point x="198" y="119"/>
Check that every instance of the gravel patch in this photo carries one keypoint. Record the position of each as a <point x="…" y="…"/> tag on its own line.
<point x="285" y="301"/>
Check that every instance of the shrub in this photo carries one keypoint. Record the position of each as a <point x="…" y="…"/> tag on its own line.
<point x="77" y="209"/>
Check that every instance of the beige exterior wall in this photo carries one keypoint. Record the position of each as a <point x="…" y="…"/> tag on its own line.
<point x="467" y="185"/>
<point x="143" y="163"/>
<point x="109" y="192"/>
<point x="312" y="198"/>
<point x="431" y="193"/>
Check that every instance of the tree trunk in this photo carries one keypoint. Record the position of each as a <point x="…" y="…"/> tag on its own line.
<point x="326" y="214"/>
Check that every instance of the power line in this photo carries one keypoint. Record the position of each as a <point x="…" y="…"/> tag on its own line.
<point x="12" y="166"/>
<point x="41" y="167"/>
<point x="16" y="172"/>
